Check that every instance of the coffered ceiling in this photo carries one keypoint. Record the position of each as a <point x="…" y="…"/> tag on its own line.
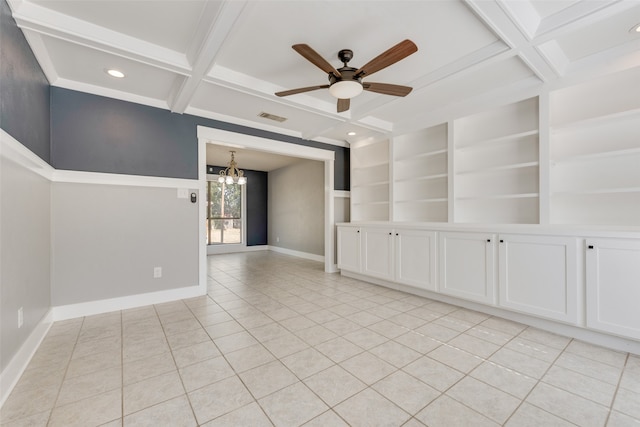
<point x="225" y="59"/>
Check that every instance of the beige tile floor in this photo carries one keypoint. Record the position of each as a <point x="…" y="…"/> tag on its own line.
<point x="279" y="342"/>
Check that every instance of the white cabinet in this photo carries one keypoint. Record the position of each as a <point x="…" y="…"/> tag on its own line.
<point x="467" y="266"/>
<point x="406" y="256"/>
<point x="349" y="248"/>
<point x="415" y="258"/>
<point x="538" y="275"/>
<point x="377" y="252"/>
<point x="613" y="286"/>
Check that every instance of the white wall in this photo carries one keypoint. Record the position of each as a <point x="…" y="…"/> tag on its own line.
<point x="296" y="207"/>
<point x="107" y="239"/>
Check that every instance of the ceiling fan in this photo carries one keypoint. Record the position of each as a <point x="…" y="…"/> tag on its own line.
<point x="346" y="82"/>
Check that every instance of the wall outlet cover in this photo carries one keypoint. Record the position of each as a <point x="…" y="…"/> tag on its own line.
<point x="157" y="272"/>
<point x="183" y="193"/>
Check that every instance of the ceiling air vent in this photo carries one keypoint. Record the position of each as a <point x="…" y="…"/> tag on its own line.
<point x="272" y="117"/>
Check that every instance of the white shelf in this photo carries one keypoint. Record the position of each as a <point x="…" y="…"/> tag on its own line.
<point x="371" y="203"/>
<point x="600" y="155"/>
<point x="618" y="190"/>
<point x="504" y="139"/>
<point x="500" y="196"/>
<point x="499" y="168"/>
<point x="423" y="178"/>
<point x="421" y="155"/>
<point x="428" y="200"/>
<point x="588" y="122"/>
<point x="372" y="184"/>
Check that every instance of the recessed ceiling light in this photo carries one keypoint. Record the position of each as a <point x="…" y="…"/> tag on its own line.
<point x="115" y="73"/>
<point x="635" y="29"/>
<point x="352" y="133"/>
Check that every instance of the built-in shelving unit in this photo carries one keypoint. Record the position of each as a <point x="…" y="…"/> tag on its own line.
<point x="420" y="175"/>
<point x="496" y="161"/>
<point x="370" y="181"/>
<point x="595" y="152"/>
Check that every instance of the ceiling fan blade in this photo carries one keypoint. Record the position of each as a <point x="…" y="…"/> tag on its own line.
<point x="300" y="90"/>
<point x="343" y="105"/>
<point x="389" y="57"/>
<point x="315" y="58"/>
<point x="387" y="89"/>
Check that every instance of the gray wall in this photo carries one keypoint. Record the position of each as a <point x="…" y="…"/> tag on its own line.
<point x="24" y="195"/>
<point x="108" y="239"/>
<point x="97" y="134"/>
<point x="296" y="207"/>
<point x="24" y="89"/>
<point x="25" y="242"/>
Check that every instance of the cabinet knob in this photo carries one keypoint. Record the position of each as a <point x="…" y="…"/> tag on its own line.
<point x="501" y="241"/>
<point x="488" y="240"/>
<point x="397" y="234"/>
<point x="590" y="246"/>
<point x="390" y="234"/>
<point x="358" y="231"/>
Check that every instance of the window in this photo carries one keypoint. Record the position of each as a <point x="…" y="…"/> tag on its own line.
<point x="224" y="213"/>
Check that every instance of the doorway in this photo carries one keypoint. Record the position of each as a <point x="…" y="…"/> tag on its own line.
<point x="208" y="135"/>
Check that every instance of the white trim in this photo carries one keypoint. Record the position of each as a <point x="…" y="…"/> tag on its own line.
<point x="81" y="177"/>
<point x="208" y="135"/>
<point x="202" y="217"/>
<point x="13" y="371"/>
<point x="240" y="140"/>
<point x="110" y="93"/>
<point x="230" y="249"/>
<point x="15" y="151"/>
<point x="71" y="311"/>
<point x="342" y="194"/>
<point x="297" y="254"/>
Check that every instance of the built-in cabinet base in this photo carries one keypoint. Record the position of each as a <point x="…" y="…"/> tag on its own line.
<point x="581" y="283"/>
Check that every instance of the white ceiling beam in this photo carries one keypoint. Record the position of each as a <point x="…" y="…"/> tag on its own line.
<point x="503" y="21"/>
<point x="204" y="51"/>
<point x="45" y="21"/>
<point x="579" y="15"/>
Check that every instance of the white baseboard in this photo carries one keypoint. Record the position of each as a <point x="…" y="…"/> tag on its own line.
<point x="12" y="373"/>
<point x="82" y="309"/>
<point x="298" y="254"/>
<point x="583" y="334"/>
<point x="229" y="249"/>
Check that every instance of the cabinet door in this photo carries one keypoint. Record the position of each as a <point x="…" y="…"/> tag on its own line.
<point x="349" y="249"/>
<point x="538" y="275"/>
<point x="415" y="258"/>
<point x="467" y="266"/>
<point x="613" y="286"/>
<point x="377" y="250"/>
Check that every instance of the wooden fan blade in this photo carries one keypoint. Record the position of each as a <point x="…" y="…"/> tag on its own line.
<point x="315" y="58"/>
<point x="387" y="89"/>
<point x="343" y="105"/>
<point x="389" y="57"/>
<point x="300" y="90"/>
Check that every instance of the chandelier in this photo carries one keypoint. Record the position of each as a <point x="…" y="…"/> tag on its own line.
<point x="232" y="174"/>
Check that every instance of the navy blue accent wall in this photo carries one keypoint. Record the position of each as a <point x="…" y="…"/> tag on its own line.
<point x="257" y="189"/>
<point x="98" y="134"/>
<point x="24" y="89"/>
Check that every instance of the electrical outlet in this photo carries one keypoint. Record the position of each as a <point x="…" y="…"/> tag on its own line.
<point x="277" y="239"/>
<point x="157" y="272"/>
<point x="20" y="317"/>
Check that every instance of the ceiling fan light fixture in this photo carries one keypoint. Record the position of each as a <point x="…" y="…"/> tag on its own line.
<point x="345" y="89"/>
